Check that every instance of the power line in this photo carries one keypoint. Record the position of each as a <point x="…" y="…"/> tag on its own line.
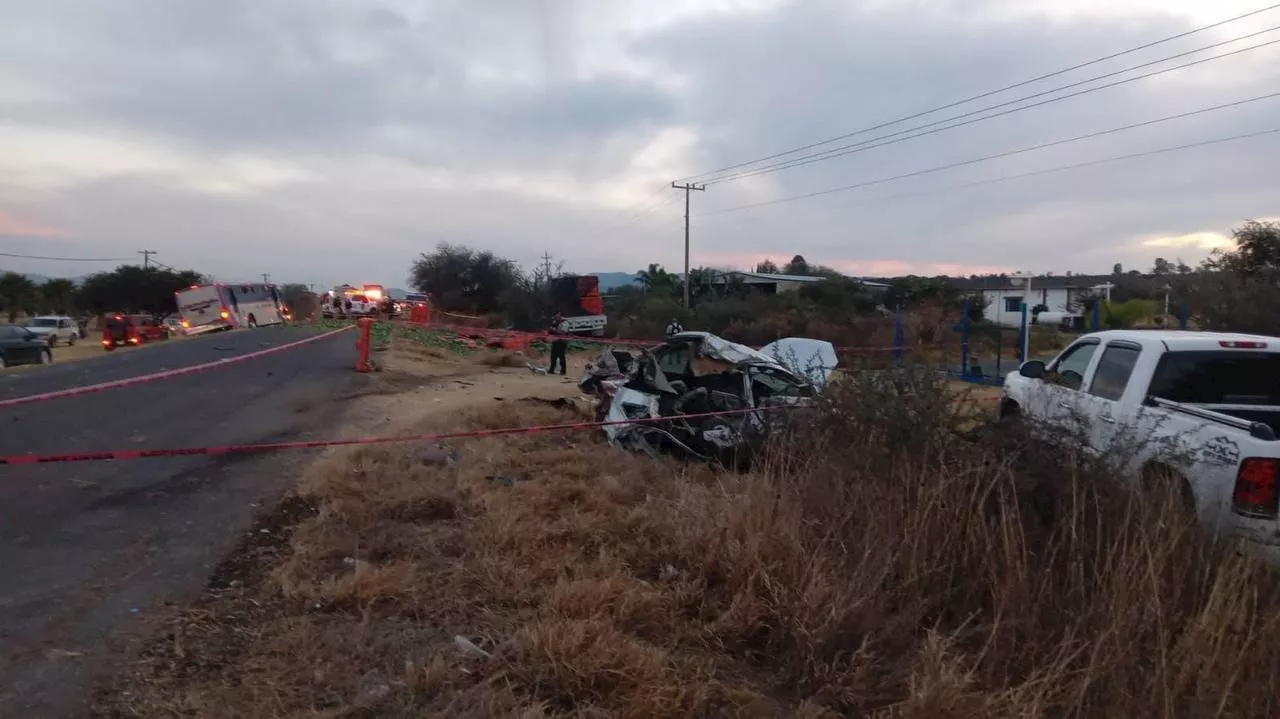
<point x="1008" y="153"/>
<point x="146" y="257"/>
<point x="897" y="137"/>
<point x="983" y="95"/>
<point x="66" y="259"/>
<point x="1024" y="175"/>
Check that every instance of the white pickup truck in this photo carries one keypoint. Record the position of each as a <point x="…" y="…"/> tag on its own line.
<point x="1201" y="409"/>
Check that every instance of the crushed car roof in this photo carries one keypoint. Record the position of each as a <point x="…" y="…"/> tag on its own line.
<point x="722" y="349"/>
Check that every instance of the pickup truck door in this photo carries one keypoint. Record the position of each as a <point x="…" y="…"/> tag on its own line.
<point x="1060" y="394"/>
<point x="1103" y="401"/>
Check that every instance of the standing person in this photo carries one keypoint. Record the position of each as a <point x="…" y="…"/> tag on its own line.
<point x="674" y="328"/>
<point x="559" y="345"/>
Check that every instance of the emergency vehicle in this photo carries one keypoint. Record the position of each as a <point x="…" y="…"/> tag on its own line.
<point x="209" y="308"/>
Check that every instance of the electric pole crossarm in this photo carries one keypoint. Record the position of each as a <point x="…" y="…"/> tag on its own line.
<point x="687" y="187"/>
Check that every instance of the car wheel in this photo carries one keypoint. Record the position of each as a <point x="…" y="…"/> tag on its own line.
<point x="46" y="357"/>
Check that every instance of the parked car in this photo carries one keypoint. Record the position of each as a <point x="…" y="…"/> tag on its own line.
<point x="173" y="325"/>
<point x="1203" y="408"/>
<point x="55" y="329"/>
<point x="123" y="330"/>
<point x="19" y="346"/>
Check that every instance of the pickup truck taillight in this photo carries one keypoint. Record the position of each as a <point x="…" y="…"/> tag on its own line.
<point x="1256" y="494"/>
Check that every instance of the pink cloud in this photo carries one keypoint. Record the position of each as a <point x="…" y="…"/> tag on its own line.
<point x="17" y="227"/>
<point x="861" y="268"/>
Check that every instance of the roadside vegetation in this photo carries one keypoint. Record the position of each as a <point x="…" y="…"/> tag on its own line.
<point x="1230" y="290"/>
<point x="887" y="558"/>
<point x="891" y="554"/>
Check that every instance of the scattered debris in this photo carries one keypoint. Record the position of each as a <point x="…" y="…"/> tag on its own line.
<point x="536" y="369"/>
<point x="439" y="455"/>
<point x="466" y="646"/>
<point x="62" y="653"/>
<point x="374" y="687"/>
<point x="557" y="402"/>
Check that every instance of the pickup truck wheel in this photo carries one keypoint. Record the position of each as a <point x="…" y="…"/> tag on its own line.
<point x="71" y="341"/>
<point x="1010" y="414"/>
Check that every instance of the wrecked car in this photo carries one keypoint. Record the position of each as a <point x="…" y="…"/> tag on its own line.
<point x="698" y="373"/>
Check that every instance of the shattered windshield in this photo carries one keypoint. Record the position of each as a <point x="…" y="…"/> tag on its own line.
<point x="674" y="359"/>
<point x="768" y="382"/>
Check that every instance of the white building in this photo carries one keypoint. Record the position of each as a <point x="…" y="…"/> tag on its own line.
<point x="1004" y="295"/>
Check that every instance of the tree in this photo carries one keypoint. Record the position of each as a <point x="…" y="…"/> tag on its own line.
<point x="768" y="267"/>
<point x="130" y="288"/>
<point x="1117" y="269"/>
<point x="17" y="294"/>
<point x="1239" y="289"/>
<point x="57" y="296"/>
<point x="657" y="280"/>
<point x="797" y="266"/>
<point x="465" y="280"/>
<point x="843" y="295"/>
<point x="299" y="299"/>
<point x="1257" y="247"/>
<point x="1161" y="267"/>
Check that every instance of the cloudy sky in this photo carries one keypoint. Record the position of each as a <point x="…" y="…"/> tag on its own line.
<point x="330" y="141"/>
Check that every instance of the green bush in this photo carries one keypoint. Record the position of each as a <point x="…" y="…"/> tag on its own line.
<point x="1123" y="315"/>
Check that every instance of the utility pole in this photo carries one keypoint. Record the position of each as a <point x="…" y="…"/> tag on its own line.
<point x="687" y="187"/>
<point x="146" y="257"/>
<point x="546" y="266"/>
<point x="266" y="278"/>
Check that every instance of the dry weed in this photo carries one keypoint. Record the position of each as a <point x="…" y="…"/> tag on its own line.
<point x="881" y="565"/>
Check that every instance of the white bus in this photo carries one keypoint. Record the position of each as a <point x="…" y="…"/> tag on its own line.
<point x="207" y="308"/>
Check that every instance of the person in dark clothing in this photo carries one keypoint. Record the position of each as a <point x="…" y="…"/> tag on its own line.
<point x="559" y="345"/>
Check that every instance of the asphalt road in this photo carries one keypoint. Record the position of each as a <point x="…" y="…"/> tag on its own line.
<point x="89" y="550"/>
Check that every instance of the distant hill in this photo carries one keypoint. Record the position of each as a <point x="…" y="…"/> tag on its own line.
<point x="610" y="281"/>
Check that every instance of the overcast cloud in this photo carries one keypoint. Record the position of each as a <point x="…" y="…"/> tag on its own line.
<point x="330" y="141"/>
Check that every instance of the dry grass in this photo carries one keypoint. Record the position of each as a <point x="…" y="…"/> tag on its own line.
<point x="882" y="566"/>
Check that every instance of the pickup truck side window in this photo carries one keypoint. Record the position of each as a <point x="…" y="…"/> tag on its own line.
<point x="1114" y="369"/>
<point x="1218" y="377"/>
<point x="1069" y="369"/>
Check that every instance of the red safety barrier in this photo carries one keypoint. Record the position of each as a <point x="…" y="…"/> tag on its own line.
<point x="364" y="344"/>
<point x="167" y="374"/>
<point x="126" y="454"/>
